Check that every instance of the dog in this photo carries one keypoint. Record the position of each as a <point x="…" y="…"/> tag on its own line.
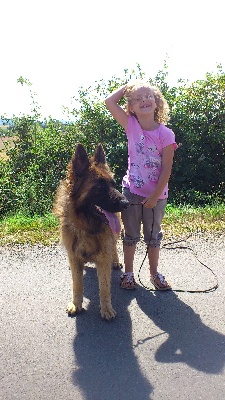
<point x="87" y="203"/>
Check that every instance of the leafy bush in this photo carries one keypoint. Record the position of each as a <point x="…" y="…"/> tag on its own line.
<point x="198" y="120"/>
<point x="36" y="163"/>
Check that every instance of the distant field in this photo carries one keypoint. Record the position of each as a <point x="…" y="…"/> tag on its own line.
<point x="5" y="141"/>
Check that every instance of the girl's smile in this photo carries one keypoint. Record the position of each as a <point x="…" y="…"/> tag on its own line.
<point x="143" y="100"/>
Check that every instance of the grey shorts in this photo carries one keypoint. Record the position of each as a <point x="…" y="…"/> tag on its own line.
<point x="150" y="218"/>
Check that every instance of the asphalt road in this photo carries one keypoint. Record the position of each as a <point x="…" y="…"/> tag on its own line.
<point x="162" y="345"/>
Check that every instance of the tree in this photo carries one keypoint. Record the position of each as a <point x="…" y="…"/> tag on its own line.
<point x="198" y="120"/>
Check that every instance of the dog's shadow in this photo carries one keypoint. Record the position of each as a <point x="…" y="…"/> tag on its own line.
<point x="107" y="367"/>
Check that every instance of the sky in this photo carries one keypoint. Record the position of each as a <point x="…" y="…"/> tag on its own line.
<point x="62" y="45"/>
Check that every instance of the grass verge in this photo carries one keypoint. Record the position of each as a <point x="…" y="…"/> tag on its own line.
<point x="178" y="221"/>
<point x="19" y="229"/>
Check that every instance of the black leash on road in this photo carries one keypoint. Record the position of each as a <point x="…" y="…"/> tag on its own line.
<point x="210" y="289"/>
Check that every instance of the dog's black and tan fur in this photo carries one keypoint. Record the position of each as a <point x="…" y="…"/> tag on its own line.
<point x="89" y="188"/>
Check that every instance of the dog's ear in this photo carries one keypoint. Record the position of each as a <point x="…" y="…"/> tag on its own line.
<point x="80" y="161"/>
<point x="99" y="156"/>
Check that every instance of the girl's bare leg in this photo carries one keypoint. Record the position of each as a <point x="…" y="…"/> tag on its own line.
<point x="153" y="256"/>
<point x="129" y="252"/>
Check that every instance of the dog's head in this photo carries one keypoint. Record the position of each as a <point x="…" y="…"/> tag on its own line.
<point x="92" y="182"/>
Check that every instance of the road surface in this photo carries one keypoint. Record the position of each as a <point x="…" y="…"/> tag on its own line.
<point x="162" y="345"/>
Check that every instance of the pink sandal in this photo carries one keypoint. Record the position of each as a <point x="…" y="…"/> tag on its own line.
<point x="164" y="285"/>
<point x="127" y="281"/>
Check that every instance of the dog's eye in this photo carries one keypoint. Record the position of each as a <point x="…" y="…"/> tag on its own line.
<point x="103" y="185"/>
<point x="99" y="184"/>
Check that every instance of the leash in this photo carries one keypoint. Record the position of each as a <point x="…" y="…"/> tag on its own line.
<point x="210" y="289"/>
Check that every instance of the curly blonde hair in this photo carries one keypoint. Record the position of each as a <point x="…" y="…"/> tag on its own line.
<point x="161" y="115"/>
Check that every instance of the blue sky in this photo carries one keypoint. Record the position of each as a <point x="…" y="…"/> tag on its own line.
<point x="61" y="45"/>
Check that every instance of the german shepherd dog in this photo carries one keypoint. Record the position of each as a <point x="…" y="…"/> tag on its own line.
<point x="86" y="204"/>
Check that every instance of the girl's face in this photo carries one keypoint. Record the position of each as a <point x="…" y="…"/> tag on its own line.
<point x="142" y="101"/>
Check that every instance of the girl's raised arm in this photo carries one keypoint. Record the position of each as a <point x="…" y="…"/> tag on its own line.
<point x="117" y="112"/>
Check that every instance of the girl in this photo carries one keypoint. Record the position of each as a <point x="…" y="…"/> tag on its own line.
<point x="151" y="148"/>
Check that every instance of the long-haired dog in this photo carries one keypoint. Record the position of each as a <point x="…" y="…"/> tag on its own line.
<point x="86" y="203"/>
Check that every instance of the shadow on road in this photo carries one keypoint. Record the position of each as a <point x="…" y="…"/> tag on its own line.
<point x="190" y="341"/>
<point x="107" y="367"/>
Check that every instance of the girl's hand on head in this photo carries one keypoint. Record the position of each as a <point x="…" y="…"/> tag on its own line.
<point x="150" y="201"/>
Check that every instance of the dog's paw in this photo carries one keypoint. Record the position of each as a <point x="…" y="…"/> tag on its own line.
<point x="72" y="309"/>
<point x="117" y="265"/>
<point x="108" y="313"/>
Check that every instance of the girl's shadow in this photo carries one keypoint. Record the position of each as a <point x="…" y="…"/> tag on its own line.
<point x="107" y="366"/>
<point x="190" y="341"/>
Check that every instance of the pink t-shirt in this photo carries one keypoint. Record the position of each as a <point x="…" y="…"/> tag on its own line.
<point x="145" y="157"/>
